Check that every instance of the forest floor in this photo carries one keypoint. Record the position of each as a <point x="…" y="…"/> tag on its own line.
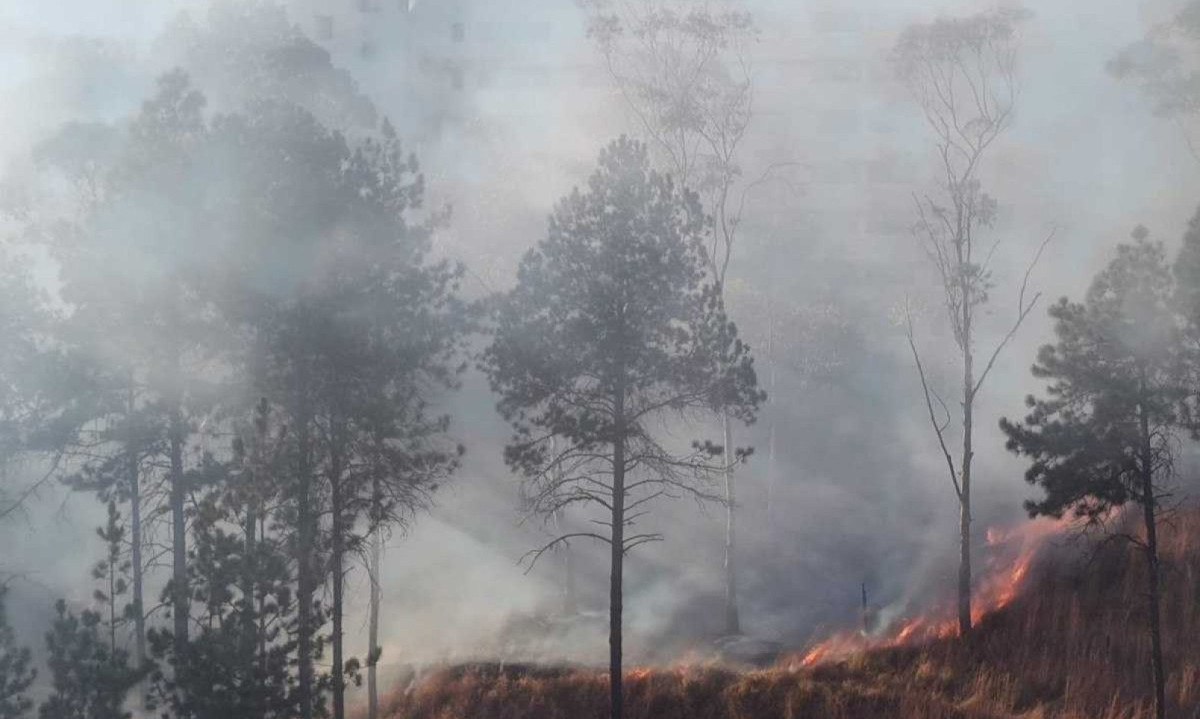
<point x="1073" y="645"/>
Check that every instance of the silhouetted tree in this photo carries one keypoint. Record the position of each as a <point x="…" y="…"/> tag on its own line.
<point x="614" y="325"/>
<point x="1104" y="434"/>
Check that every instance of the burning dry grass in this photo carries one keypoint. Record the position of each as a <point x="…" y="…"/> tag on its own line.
<point x="1068" y="643"/>
<point x="483" y="692"/>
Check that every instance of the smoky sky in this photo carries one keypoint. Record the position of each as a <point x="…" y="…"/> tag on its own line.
<point x="859" y="493"/>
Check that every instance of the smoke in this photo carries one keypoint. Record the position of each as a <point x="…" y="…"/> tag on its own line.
<point x="509" y="118"/>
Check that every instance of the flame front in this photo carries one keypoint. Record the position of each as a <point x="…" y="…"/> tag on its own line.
<point x="1013" y="553"/>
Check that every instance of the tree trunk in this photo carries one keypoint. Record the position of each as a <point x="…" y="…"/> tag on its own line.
<point x="135" y="536"/>
<point x="374" y="563"/>
<point x="262" y="606"/>
<point x="964" y="503"/>
<point x="338" y="551"/>
<point x="249" y="568"/>
<point x="180" y="593"/>
<point x="570" y="602"/>
<point x="1152" y="570"/>
<point x="964" y="561"/>
<point x="615" y="597"/>
<point x="732" y="623"/>
<point x="306" y="520"/>
<point x="113" y="560"/>
<point x="770" y="518"/>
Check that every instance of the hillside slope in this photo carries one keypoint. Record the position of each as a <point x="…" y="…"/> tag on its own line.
<point x="1072" y="645"/>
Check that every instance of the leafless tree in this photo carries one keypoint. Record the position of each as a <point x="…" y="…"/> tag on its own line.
<point x="683" y="69"/>
<point x="962" y="74"/>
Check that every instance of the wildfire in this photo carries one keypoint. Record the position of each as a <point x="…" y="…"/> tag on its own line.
<point x="1012" y="555"/>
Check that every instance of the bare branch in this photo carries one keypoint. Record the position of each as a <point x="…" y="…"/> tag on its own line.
<point x="939" y="430"/>
<point x="32" y="489"/>
<point x="533" y="555"/>
<point x="1023" y="311"/>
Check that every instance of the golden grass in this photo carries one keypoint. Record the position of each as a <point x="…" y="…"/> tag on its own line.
<point x="1072" y="646"/>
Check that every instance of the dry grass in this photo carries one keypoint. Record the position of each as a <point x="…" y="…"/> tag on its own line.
<point x="1073" y="646"/>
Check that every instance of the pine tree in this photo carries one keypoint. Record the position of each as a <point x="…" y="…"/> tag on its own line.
<point x="239" y="660"/>
<point x="133" y="275"/>
<point x="614" y="326"/>
<point x="90" y="670"/>
<point x="90" y="680"/>
<point x="1104" y="434"/>
<point x="112" y="574"/>
<point x="350" y="346"/>
<point x="680" y="66"/>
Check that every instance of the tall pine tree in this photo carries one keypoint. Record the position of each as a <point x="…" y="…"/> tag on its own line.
<point x="1103" y="434"/>
<point x="615" y="325"/>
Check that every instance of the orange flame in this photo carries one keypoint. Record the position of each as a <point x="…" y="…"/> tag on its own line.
<point x="1013" y="552"/>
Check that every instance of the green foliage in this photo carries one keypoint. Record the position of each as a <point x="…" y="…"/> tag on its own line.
<point x="90" y="678"/>
<point x="215" y="679"/>
<point x="356" y="331"/>
<point x="613" y="325"/>
<point x="240" y="661"/>
<point x="16" y="676"/>
<point x="112" y="572"/>
<point x="209" y="260"/>
<point x="1114" y="388"/>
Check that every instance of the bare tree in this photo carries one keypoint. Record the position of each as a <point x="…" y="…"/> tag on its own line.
<point x="683" y="70"/>
<point x="962" y="74"/>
